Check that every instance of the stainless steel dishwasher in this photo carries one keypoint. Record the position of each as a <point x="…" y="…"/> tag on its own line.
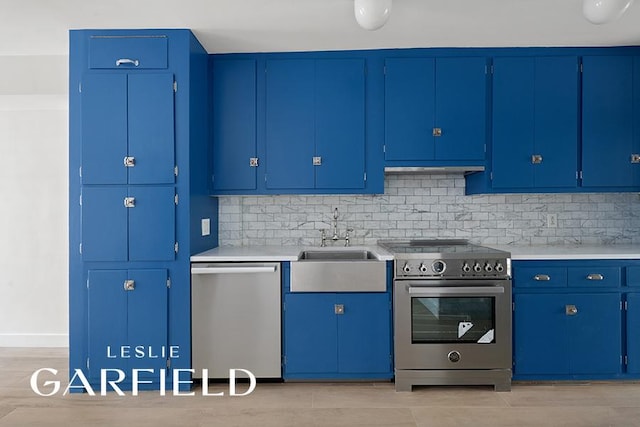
<point x="235" y="318"/>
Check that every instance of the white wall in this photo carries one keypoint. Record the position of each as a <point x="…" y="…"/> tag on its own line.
<point x="33" y="207"/>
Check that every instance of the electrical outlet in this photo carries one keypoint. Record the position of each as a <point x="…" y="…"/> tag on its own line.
<point x="552" y="220"/>
<point x="205" y="226"/>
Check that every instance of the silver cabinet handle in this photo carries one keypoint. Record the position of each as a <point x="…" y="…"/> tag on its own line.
<point x="570" y="310"/>
<point x="317" y="161"/>
<point x="129" y="202"/>
<point x="129" y="161"/>
<point x="122" y="61"/>
<point x="338" y="308"/>
<point x="253" y="162"/>
<point x="595" y="276"/>
<point x="233" y="270"/>
<point x="437" y="131"/>
<point x="542" y="277"/>
<point x="635" y="158"/>
<point x="129" y="285"/>
<point x="536" y="159"/>
<point x="454" y="290"/>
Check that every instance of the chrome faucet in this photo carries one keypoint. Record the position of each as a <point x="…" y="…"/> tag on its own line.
<point x="336" y="234"/>
<point x="335" y="225"/>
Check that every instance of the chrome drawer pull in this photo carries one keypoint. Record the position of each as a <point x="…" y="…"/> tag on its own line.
<point x="129" y="285"/>
<point x="542" y="277"/>
<point x="121" y="61"/>
<point x="338" y="308"/>
<point x="570" y="310"/>
<point x="596" y="276"/>
<point x="536" y="159"/>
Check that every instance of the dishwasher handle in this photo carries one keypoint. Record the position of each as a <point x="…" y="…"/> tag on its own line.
<point x="212" y="269"/>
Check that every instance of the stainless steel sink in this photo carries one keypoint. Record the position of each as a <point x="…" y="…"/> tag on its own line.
<point x="338" y="270"/>
<point x="337" y="255"/>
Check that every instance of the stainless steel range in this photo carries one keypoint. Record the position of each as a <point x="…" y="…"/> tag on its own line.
<point x="452" y="314"/>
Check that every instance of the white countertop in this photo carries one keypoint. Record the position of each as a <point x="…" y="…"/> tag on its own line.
<point x="518" y="252"/>
<point x="571" y="252"/>
<point x="274" y="253"/>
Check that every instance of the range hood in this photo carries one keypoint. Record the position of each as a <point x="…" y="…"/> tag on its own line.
<point x="432" y="169"/>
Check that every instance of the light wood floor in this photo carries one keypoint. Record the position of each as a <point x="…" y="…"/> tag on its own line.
<point x="313" y="404"/>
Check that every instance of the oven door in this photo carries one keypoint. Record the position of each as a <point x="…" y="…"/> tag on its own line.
<point x="452" y="324"/>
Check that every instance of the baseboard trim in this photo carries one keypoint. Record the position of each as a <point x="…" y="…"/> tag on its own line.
<point x="34" y="340"/>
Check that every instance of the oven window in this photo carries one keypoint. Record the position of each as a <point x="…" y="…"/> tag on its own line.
<point x="453" y="320"/>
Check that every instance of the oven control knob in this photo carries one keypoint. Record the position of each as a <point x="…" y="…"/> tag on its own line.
<point x="499" y="267"/>
<point x="423" y="268"/>
<point x="438" y="266"/>
<point x="453" y="356"/>
<point x="466" y="267"/>
<point x="488" y="268"/>
<point x="406" y="268"/>
<point x="477" y="267"/>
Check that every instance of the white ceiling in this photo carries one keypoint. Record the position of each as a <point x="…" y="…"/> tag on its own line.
<point x="39" y="27"/>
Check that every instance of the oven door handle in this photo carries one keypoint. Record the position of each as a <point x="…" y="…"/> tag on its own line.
<point x="461" y="290"/>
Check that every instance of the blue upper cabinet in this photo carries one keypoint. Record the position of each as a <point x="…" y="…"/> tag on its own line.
<point x="235" y="157"/>
<point x="290" y="124"/>
<point x="535" y="122"/>
<point x="608" y="146"/>
<point x="435" y="111"/>
<point x="315" y="125"/>
<point x="118" y="145"/>
<point x="340" y="124"/>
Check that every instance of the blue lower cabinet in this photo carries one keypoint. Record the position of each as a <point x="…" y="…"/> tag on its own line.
<point x="540" y="330"/>
<point x="337" y="336"/>
<point x="565" y="336"/>
<point x="127" y="323"/>
<point x="633" y="333"/>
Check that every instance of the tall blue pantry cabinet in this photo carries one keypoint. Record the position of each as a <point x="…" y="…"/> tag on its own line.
<point x="138" y="193"/>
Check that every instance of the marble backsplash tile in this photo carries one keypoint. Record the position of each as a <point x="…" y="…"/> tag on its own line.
<point x="432" y="206"/>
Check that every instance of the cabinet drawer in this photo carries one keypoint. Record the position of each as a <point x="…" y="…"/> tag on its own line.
<point x="594" y="277"/>
<point x="128" y="52"/>
<point x="539" y="277"/>
<point x="633" y="276"/>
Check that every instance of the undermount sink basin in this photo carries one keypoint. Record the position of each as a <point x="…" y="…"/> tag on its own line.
<point x="337" y="255"/>
<point x="338" y="270"/>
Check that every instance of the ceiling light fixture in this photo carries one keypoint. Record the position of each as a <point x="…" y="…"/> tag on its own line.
<point x="372" y="14"/>
<point x="603" y="11"/>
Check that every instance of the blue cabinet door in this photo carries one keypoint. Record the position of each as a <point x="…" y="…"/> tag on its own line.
<point x="104" y="128"/>
<point x="147" y="320"/>
<point x="541" y="344"/>
<point x="311" y="329"/>
<point x="535" y="113"/>
<point x="107" y="320"/>
<point x="127" y="329"/>
<point x="364" y="333"/>
<point x="142" y="232"/>
<point x="151" y="128"/>
<point x="340" y="123"/>
<point x="513" y="122"/>
<point x="104" y="224"/>
<point x="595" y="340"/>
<point x="290" y="128"/>
<point x="409" y="108"/>
<point x="461" y="108"/>
<point x="636" y="117"/>
<point x="152" y="224"/>
<point x="234" y="124"/>
<point x="633" y="333"/>
<point x="607" y="121"/>
<point x="556" y="121"/>
<point x="127" y="116"/>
